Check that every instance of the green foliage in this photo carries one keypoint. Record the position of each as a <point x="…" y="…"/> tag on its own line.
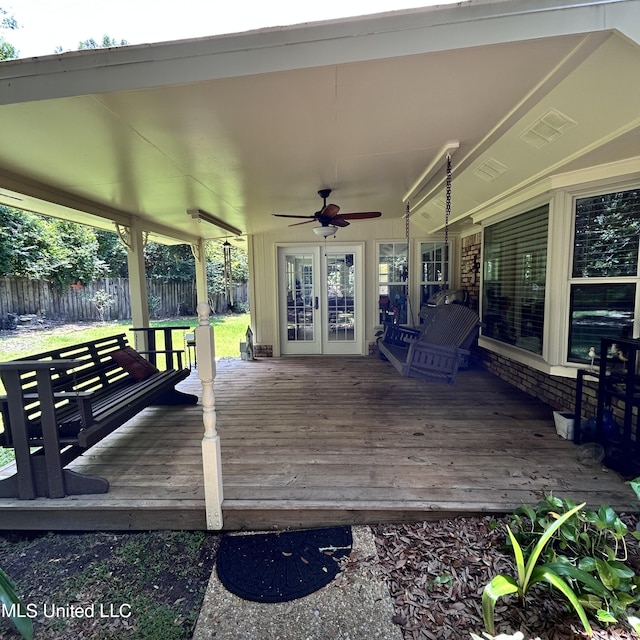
<point x="215" y="267"/>
<point x="529" y="572"/>
<point x="105" y="43"/>
<point x="589" y="551"/>
<point x="12" y="602"/>
<point x="33" y="246"/>
<point x="77" y="252"/>
<point x="154" y="303"/>
<point x="173" y="262"/>
<point x="7" y="23"/>
<point x="102" y="301"/>
<point x="113" y="253"/>
<point x="607" y="234"/>
<point x="65" y="253"/>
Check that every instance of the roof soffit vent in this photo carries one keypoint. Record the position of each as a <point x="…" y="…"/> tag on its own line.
<point x="490" y="170"/>
<point x="547" y="129"/>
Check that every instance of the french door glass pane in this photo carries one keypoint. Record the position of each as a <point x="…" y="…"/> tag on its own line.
<point x="340" y="297"/>
<point x="299" y="274"/>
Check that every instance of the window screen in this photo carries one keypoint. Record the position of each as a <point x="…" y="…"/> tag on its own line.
<point x="513" y="289"/>
<point x="433" y="269"/>
<point x="606" y="235"/>
<point x="392" y="278"/>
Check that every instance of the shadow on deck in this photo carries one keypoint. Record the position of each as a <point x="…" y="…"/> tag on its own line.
<point x="314" y="441"/>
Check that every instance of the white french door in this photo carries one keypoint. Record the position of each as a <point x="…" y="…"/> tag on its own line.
<point x="320" y="299"/>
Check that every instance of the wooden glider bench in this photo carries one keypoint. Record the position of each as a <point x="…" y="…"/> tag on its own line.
<point x="437" y="349"/>
<point x="62" y="402"/>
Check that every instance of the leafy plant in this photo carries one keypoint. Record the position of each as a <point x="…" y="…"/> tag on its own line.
<point x="530" y="573"/>
<point x="154" y="303"/>
<point x="12" y="603"/>
<point x="102" y="301"/>
<point x="588" y="550"/>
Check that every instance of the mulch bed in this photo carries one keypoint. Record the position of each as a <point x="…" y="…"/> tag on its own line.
<point x="436" y="572"/>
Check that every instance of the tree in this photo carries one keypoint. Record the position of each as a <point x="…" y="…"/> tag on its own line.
<point x="105" y="43"/>
<point x="7" y="23"/>
<point x="24" y="244"/>
<point x="33" y="246"/>
<point x="173" y="262"/>
<point x="113" y="253"/>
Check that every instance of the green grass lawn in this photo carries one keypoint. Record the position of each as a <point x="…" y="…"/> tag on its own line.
<point x="229" y="331"/>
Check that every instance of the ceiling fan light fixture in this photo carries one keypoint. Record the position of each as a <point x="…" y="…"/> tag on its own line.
<point x="326" y="231"/>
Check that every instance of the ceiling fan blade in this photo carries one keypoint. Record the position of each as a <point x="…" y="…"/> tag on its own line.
<point x="285" y="215"/>
<point x="364" y="215"/>
<point x="330" y="211"/>
<point x="296" y="224"/>
<point x="339" y="221"/>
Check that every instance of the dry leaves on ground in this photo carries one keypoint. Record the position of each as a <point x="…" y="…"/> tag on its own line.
<point x="436" y="571"/>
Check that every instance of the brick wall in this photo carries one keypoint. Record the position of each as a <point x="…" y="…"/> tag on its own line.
<point x="469" y="268"/>
<point x="263" y="350"/>
<point x="557" y="392"/>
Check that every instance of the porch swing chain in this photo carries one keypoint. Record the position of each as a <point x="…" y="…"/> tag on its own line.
<point x="408" y="271"/>
<point x="447" y="215"/>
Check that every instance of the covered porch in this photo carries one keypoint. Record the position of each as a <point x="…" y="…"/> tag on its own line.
<point x="312" y="441"/>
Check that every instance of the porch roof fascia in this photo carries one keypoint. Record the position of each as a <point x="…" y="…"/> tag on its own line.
<point x="88" y="212"/>
<point x="393" y="34"/>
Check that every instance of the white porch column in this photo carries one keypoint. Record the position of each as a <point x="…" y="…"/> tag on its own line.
<point x="135" y="241"/>
<point x="211" y="458"/>
<point x="199" y="253"/>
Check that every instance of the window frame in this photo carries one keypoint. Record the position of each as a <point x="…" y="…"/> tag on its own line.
<point x="571" y="200"/>
<point x="561" y="198"/>
<point x="379" y="283"/>
<point x="446" y="268"/>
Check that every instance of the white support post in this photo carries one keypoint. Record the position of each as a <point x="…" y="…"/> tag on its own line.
<point x="135" y="239"/>
<point x="211" y="457"/>
<point x="200" y="255"/>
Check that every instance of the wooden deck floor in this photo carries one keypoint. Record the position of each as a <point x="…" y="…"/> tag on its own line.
<point x="328" y="440"/>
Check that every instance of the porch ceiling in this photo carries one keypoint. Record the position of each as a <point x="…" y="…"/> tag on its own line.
<point x="247" y="125"/>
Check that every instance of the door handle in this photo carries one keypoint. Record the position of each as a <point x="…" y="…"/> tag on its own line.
<point x="316" y="302"/>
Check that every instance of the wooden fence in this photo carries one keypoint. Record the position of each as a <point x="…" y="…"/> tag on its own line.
<point x="23" y="296"/>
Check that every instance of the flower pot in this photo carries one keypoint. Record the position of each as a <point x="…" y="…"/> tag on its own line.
<point x="564" y="424"/>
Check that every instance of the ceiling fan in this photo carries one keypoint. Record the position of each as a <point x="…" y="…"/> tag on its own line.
<point x="330" y="216"/>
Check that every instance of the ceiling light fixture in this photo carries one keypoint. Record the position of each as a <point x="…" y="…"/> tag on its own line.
<point x="326" y="231"/>
<point x="203" y="216"/>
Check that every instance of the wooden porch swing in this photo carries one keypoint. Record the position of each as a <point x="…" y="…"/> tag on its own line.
<point x="436" y="349"/>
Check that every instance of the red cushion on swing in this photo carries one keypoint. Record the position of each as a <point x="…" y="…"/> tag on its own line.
<point x="133" y="363"/>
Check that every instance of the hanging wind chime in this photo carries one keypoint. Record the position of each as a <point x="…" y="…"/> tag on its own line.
<point x="227" y="247"/>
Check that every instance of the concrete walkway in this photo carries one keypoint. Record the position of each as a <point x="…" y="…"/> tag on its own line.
<point x="355" y="606"/>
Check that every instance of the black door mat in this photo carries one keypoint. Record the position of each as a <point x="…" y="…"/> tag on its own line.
<point x="276" y="567"/>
